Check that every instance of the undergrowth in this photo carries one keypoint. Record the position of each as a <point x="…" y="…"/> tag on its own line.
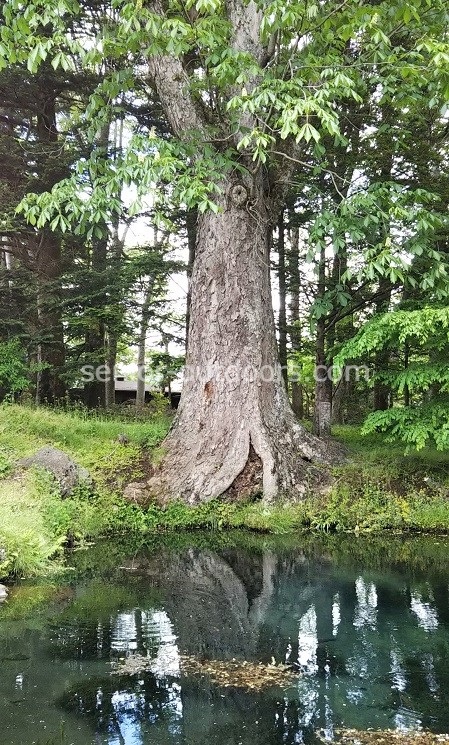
<point x="378" y="489"/>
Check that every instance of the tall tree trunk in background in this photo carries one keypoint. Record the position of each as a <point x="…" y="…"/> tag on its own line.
<point x="113" y="327"/>
<point x="117" y="243"/>
<point x="294" y="327"/>
<point x="282" y="318"/>
<point x="406" y="364"/>
<point x="338" y="400"/>
<point x="50" y="386"/>
<point x="141" y="345"/>
<point x="191" y="223"/>
<point x="384" y="149"/>
<point x="94" y="343"/>
<point x="338" y="388"/>
<point x="48" y="264"/>
<point x="323" y="384"/>
<point x="111" y="360"/>
<point x="95" y="338"/>
<point x="381" y="391"/>
<point x="343" y="390"/>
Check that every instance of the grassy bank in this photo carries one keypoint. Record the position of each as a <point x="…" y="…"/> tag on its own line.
<point x="378" y="489"/>
<point x="34" y="522"/>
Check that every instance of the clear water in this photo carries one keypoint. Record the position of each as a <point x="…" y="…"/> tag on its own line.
<point x="366" y="621"/>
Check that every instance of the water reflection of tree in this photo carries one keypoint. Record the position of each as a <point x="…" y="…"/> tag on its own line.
<point x="367" y="656"/>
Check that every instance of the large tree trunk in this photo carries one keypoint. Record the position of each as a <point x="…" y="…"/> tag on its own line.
<point x="235" y="427"/>
<point x="234" y="412"/>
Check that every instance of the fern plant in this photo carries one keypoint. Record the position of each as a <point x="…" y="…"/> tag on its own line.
<point x="424" y="417"/>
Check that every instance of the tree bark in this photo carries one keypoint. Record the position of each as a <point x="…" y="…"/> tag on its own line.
<point x="381" y="390"/>
<point x="233" y="398"/>
<point x="111" y="361"/>
<point x="338" y="401"/>
<point x="94" y="342"/>
<point x="95" y="338"/>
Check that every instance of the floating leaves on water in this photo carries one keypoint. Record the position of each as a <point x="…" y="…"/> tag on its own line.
<point x="386" y="737"/>
<point x="252" y="676"/>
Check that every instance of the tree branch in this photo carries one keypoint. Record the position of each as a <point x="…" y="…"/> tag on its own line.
<point x="246" y="19"/>
<point x="172" y="85"/>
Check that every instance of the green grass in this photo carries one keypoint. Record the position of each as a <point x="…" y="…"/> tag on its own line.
<point x="27" y="541"/>
<point x="34" y="521"/>
<point x="91" y="439"/>
<point x="377" y="489"/>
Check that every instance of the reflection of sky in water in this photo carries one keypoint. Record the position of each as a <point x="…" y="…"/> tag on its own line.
<point x="308" y="642"/>
<point x="366" y="608"/>
<point x="336" y="615"/>
<point x="406" y="721"/>
<point x="124" y="633"/>
<point x="130" y="728"/>
<point x="157" y="631"/>
<point x="364" y="663"/>
<point x="429" y="668"/>
<point x="319" y="689"/>
<point x="424" y="612"/>
<point x="398" y="675"/>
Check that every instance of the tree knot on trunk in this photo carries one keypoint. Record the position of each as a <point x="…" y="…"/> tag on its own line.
<point x="208" y="390"/>
<point x="239" y="194"/>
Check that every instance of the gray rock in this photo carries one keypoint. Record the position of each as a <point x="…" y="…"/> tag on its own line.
<point x="3" y="593"/>
<point x="136" y="492"/>
<point x="67" y="473"/>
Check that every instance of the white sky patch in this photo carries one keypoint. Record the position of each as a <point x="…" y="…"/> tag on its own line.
<point x="336" y="614"/>
<point x="397" y="671"/>
<point x="366" y="608"/>
<point x="308" y="642"/>
<point x="425" y="613"/>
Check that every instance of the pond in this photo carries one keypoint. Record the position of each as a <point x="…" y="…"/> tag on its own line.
<point x="362" y="623"/>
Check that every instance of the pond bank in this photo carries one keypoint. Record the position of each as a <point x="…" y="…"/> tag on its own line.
<point x="378" y="489"/>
